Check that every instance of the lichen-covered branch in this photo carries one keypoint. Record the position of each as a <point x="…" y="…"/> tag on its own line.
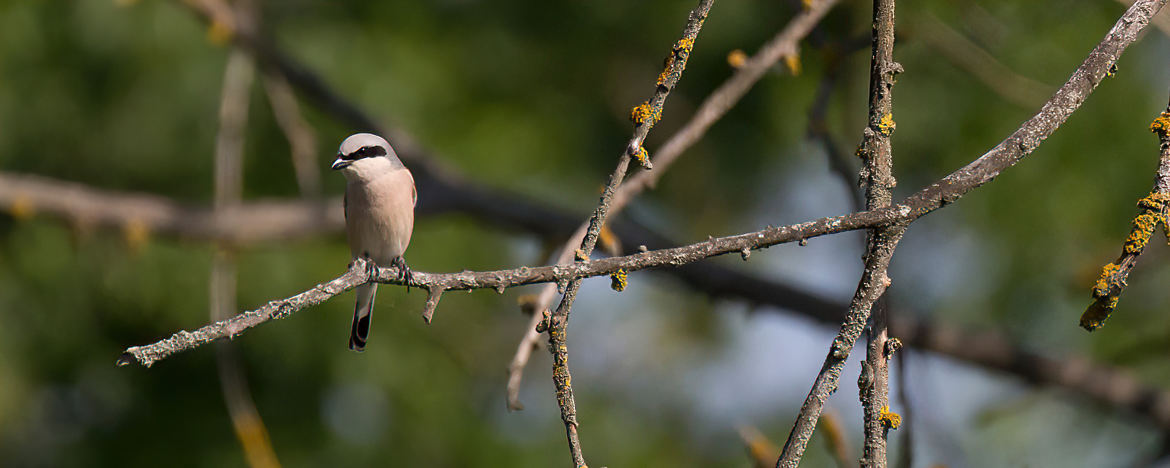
<point x="878" y="178"/>
<point x="1153" y="212"/>
<point x="644" y="117"/>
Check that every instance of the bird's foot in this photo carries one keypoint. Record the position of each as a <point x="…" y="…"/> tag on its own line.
<point x="371" y="267"/>
<point x="404" y="273"/>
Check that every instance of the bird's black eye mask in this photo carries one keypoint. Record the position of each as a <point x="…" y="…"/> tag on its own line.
<point x="363" y="152"/>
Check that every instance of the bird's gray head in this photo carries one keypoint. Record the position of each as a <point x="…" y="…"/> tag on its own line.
<point x="364" y="155"/>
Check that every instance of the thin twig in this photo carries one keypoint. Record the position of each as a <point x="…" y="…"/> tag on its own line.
<point x="714" y="107"/>
<point x="761" y="450"/>
<point x="834" y="433"/>
<point x="302" y="140"/>
<point x="1013" y="87"/>
<point x="644" y="117"/>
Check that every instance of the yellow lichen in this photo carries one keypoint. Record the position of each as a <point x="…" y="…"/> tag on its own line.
<point x="887" y="125"/>
<point x="664" y="77"/>
<point x="737" y="58"/>
<point x="1143" y="228"/>
<point x="1161" y="125"/>
<point x="1154" y="201"/>
<point x="1101" y="289"/>
<point x="619" y="280"/>
<point x="21" y="208"/>
<point x="792" y="61"/>
<point x="807" y="4"/>
<point x="641" y="155"/>
<point x="645" y="113"/>
<point x="682" y="48"/>
<point x="890" y="419"/>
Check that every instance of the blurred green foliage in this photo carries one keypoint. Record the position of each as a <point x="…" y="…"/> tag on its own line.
<point x="531" y="97"/>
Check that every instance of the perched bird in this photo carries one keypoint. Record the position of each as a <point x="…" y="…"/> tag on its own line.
<point x="379" y="215"/>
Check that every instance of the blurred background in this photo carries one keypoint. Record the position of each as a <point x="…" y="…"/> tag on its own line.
<point x="531" y="100"/>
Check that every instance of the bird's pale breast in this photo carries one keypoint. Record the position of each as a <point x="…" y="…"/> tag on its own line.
<point x="380" y="215"/>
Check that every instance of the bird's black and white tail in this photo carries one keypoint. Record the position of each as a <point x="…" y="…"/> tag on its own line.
<point x="362" y="312"/>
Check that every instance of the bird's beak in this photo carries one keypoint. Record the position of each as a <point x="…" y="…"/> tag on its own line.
<point x="339" y="164"/>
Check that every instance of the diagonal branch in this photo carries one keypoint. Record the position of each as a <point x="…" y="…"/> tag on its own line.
<point x="644" y="117"/>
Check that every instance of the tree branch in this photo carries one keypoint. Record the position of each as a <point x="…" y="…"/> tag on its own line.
<point x="503" y="279"/>
<point x="877" y="153"/>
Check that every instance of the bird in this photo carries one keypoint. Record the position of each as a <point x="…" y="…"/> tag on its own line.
<point x="379" y="216"/>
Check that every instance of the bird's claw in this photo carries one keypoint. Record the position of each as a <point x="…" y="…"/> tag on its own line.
<point x="371" y="269"/>
<point x="404" y="273"/>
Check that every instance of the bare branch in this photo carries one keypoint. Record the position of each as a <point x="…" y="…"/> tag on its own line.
<point x="302" y="139"/>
